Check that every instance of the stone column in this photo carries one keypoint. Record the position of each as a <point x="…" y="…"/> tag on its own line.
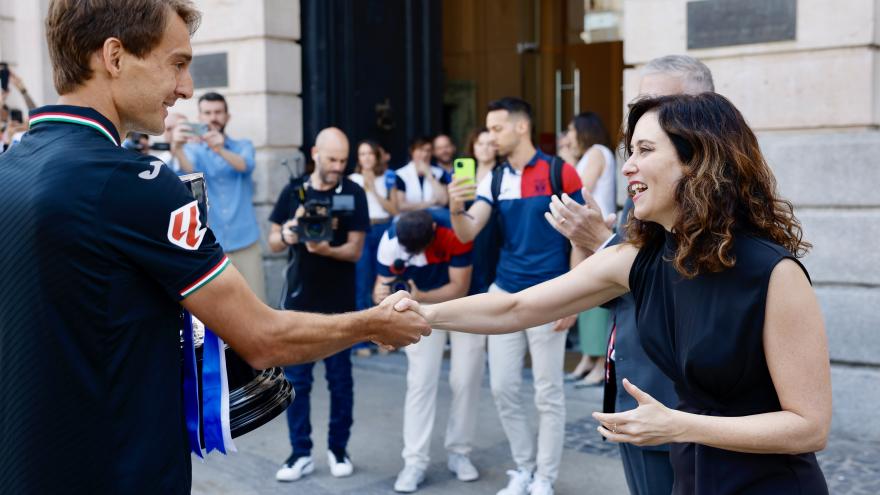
<point x="260" y="39"/>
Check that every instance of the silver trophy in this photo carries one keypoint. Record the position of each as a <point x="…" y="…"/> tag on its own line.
<point x="255" y="396"/>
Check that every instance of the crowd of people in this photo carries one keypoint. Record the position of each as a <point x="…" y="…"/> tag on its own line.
<point x="525" y="219"/>
<point x="709" y="340"/>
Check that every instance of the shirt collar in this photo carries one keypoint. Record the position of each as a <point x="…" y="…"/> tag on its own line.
<point x="69" y="114"/>
<point x="539" y="155"/>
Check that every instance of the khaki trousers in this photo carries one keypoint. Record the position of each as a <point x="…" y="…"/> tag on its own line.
<point x="249" y="262"/>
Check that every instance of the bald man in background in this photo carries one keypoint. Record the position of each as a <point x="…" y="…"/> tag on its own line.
<point x="321" y="279"/>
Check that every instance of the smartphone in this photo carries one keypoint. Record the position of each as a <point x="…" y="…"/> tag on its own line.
<point x="197" y="128"/>
<point x="4" y="76"/>
<point x="465" y="168"/>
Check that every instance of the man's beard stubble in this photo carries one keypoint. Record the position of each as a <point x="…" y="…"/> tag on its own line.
<point x="330" y="178"/>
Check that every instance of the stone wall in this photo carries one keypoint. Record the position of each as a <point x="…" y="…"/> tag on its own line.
<point x="814" y="103"/>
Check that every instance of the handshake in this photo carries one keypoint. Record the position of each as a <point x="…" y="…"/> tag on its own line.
<point x="398" y="321"/>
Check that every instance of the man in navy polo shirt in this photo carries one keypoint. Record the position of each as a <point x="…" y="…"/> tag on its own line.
<point x="532" y="252"/>
<point x="422" y="250"/>
<point x="101" y="246"/>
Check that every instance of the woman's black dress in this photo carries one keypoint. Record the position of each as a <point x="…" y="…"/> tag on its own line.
<point x="706" y="335"/>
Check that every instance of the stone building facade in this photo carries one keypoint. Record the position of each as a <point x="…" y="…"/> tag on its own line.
<point x="814" y="101"/>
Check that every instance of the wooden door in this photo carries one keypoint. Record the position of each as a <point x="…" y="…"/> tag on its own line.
<point x="599" y="69"/>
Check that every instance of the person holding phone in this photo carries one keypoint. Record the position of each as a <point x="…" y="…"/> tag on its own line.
<point x="531" y="253"/>
<point x="484" y="152"/>
<point x="228" y="165"/>
<point x="9" y="77"/>
<point x="16" y="127"/>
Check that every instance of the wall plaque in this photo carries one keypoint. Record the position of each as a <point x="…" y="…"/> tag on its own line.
<point x="714" y="23"/>
<point x="209" y="70"/>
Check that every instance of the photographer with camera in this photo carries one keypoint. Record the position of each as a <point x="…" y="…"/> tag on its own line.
<point x="322" y="219"/>
<point x="421" y="254"/>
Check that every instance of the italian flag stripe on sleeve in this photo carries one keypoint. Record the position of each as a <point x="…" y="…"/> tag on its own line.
<point x="204" y="279"/>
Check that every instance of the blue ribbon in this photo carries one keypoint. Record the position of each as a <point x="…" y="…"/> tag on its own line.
<point x="191" y="386"/>
<point x="212" y="391"/>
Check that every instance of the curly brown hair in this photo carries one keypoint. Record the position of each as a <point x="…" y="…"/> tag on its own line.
<point x="726" y="186"/>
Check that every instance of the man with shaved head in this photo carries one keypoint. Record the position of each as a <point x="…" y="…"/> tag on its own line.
<point x="321" y="279"/>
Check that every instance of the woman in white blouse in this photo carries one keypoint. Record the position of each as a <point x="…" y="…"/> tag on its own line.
<point x="379" y="184"/>
<point x="587" y="141"/>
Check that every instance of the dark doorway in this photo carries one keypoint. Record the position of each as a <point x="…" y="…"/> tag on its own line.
<point x="372" y="68"/>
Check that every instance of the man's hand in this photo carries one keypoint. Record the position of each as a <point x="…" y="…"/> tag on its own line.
<point x="564" y="324"/>
<point x="394" y="328"/>
<point x="215" y="140"/>
<point x="461" y="190"/>
<point x="288" y="232"/>
<point x="583" y="224"/>
<point x="181" y="135"/>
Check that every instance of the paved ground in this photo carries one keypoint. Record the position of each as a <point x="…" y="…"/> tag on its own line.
<point x="589" y="465"/>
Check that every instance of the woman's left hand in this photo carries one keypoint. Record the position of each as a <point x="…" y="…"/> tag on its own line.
<point x="651" y="423"/>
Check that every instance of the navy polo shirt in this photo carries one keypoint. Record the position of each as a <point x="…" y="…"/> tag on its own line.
<point x="99" y="245"/>
<point x="532" y="251"/>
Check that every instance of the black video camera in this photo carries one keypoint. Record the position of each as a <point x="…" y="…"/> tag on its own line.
<point x="316" y="224"/>
<point x="398" y="283"/>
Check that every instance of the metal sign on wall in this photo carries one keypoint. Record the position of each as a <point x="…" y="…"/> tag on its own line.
<point x="210" y="71"/>
<point x="714" y="23"/>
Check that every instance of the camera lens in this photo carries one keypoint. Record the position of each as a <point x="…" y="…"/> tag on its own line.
<point x="314" y="229"/>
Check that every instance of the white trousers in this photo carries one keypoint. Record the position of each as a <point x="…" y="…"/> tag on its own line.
<point x="468" y="359"/>
<point x="506" y="354"/>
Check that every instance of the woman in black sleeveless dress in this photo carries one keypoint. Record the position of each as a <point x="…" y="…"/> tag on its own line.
<point x="723" y="306"/>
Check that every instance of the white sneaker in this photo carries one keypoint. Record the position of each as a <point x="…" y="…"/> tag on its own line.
<point x="518" y="484"/>
<point x="339" y="468"/>
<point x="541" y="486"/>
<point x="463" y="468"/>
<point x="409" y="479"/>
<point x="302" y="466"/>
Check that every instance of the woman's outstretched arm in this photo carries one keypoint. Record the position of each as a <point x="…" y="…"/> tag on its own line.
<point x="597" y="279"/>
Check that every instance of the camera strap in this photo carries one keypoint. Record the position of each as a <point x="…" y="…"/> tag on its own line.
<point x="305" y="184"/>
